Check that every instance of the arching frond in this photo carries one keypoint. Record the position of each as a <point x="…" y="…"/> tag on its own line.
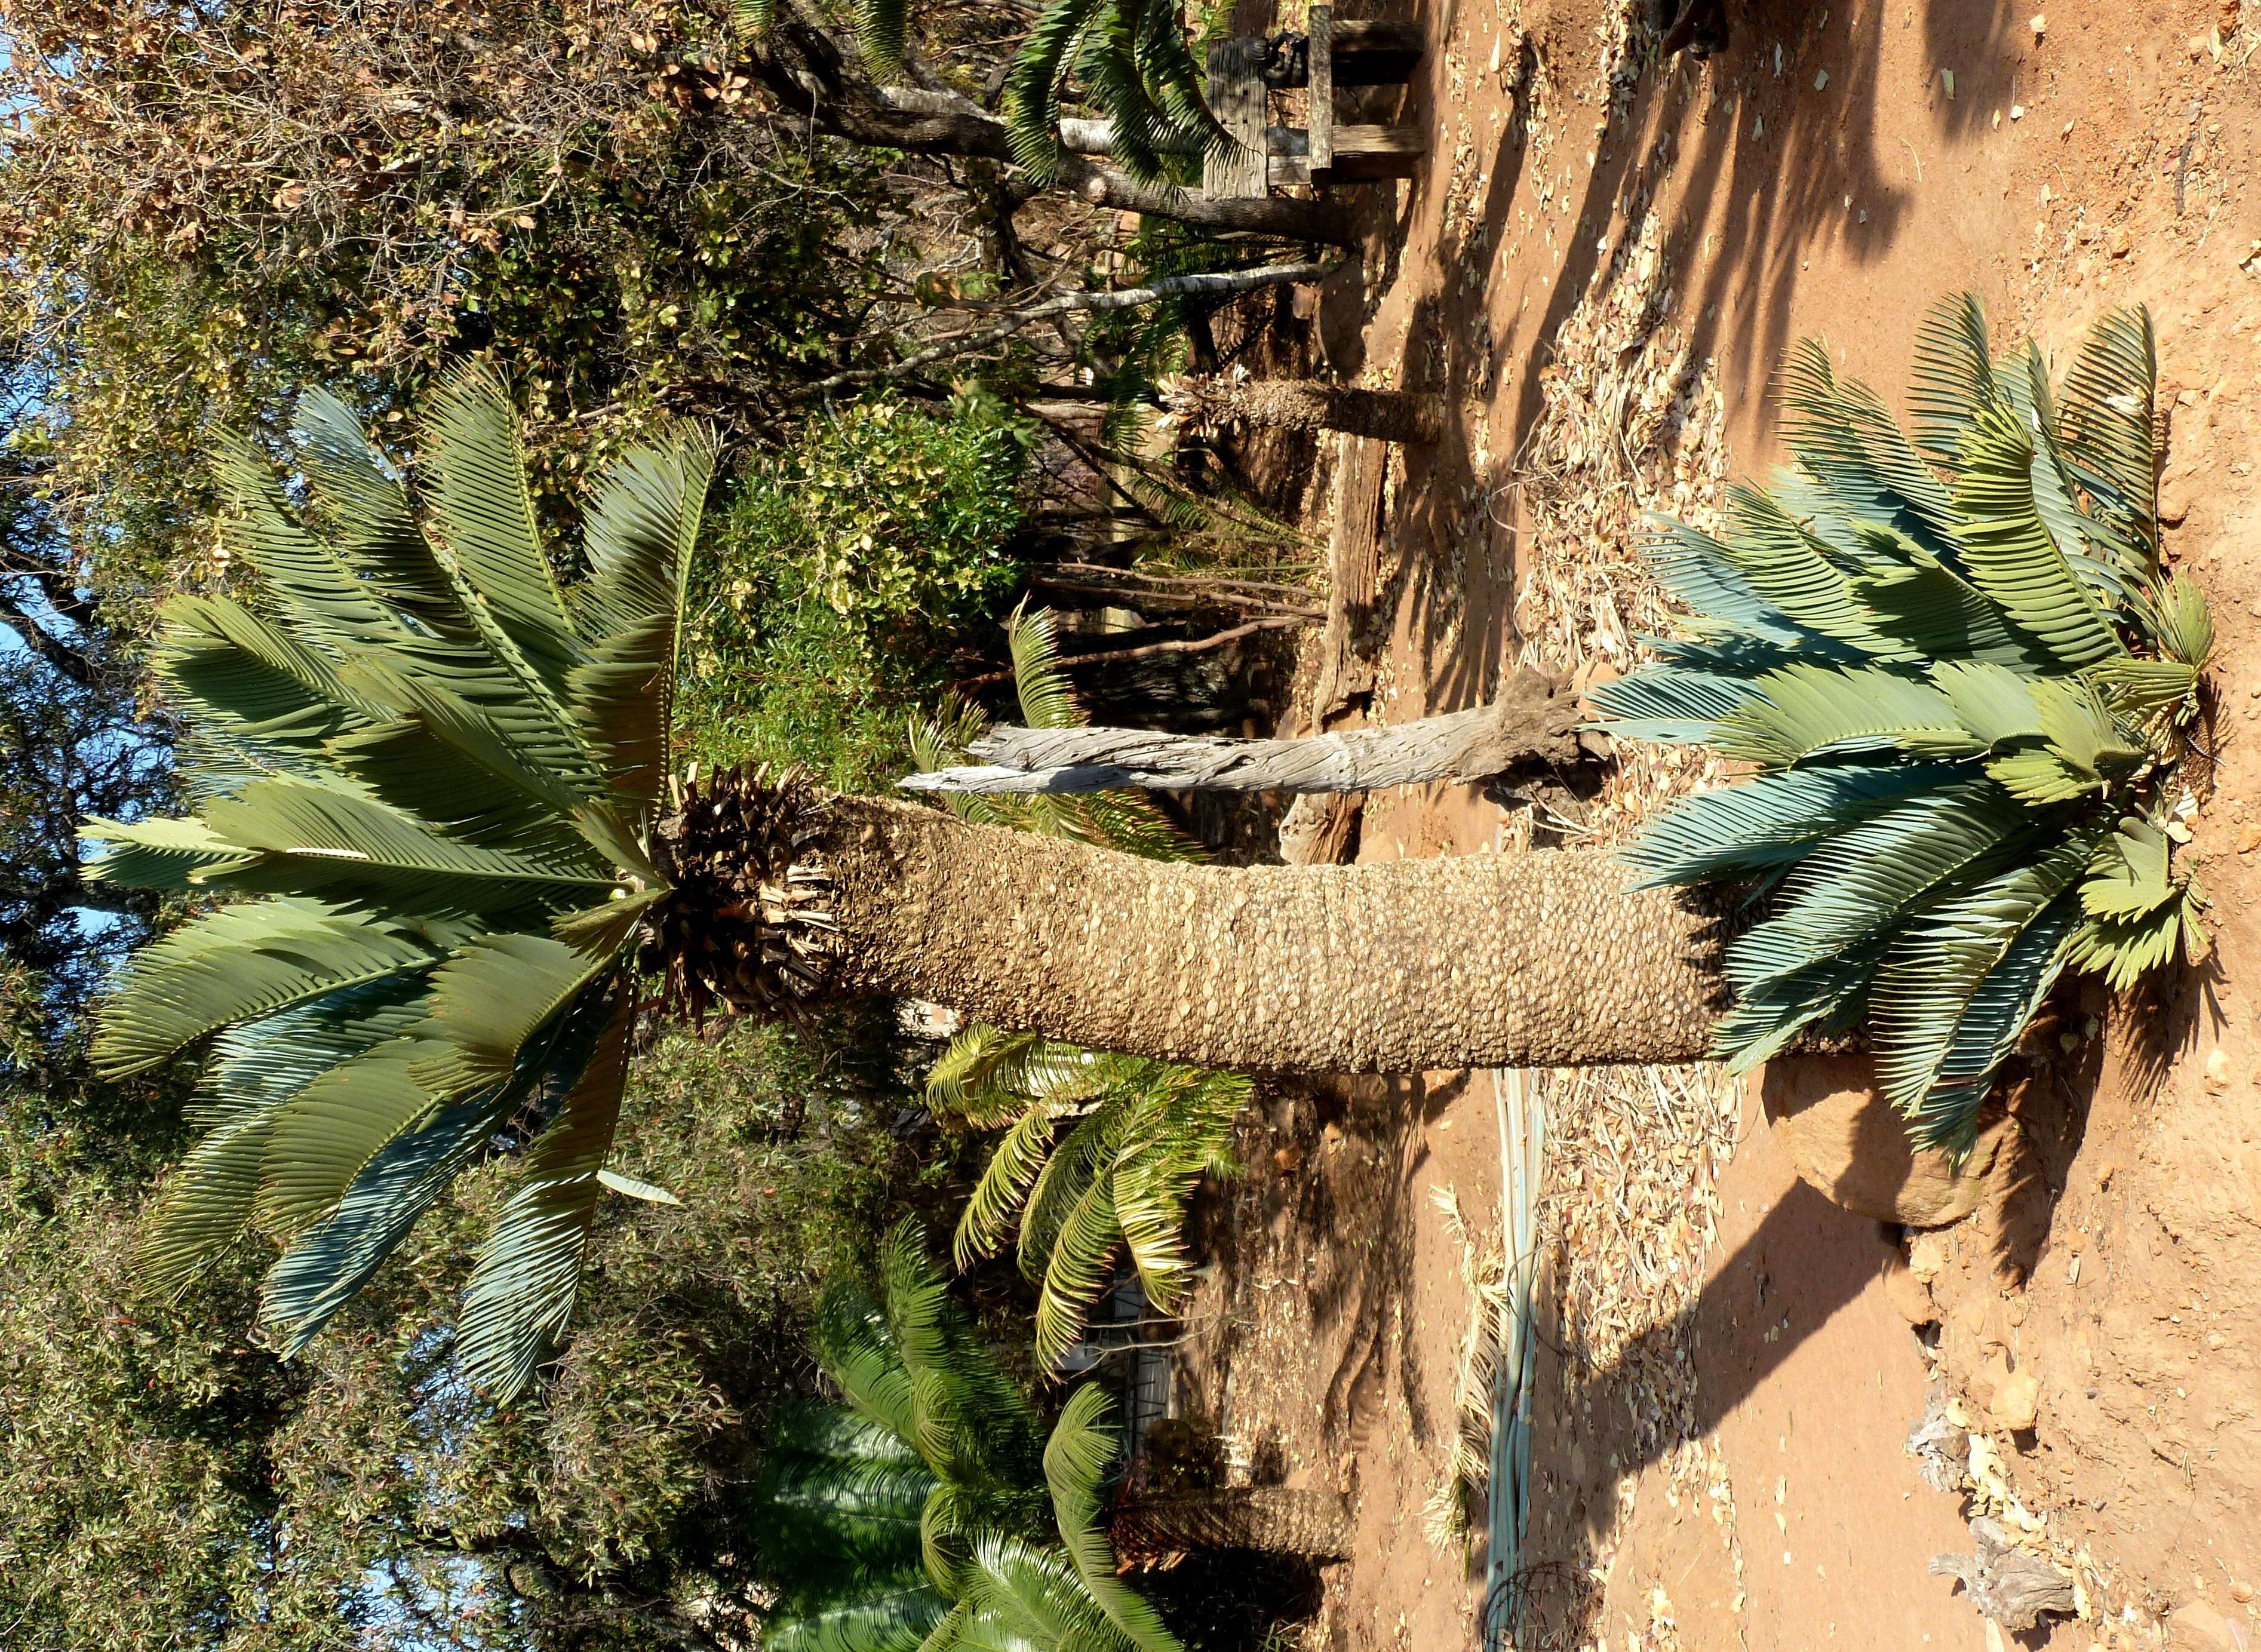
<point x="1076" y="1460"/>
<point x="428" y="753"/>
<point x="1965" y="683"/>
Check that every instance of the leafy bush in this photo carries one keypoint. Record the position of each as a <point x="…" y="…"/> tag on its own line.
<point x="1967" y="683"/>
<point x="826" y="600"/>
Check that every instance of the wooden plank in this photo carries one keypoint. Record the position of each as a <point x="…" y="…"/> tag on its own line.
<point x="1321" y="151"/>
<point x="1363" y="155"/>
<point x="1236" y="96"/>
<point x="1354" y="571"/>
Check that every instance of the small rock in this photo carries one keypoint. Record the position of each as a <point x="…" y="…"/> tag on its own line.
<point x="1910" y="1297"/>
<point x="1846" y="1141"/>
<point x="2017" y="1402"/>
<point x="2040" y="25"/>
<point x="2200" y="1627"/>
<point x="1928" y="1256"/>
<point x="2249" y="837"/>
<point x="2217" y="1069"/>
<point x="2241" y="1592"/>
<point x="2174" y="501"/>
<point x="2118" y="242"/>
<point x="2197" y="45"/>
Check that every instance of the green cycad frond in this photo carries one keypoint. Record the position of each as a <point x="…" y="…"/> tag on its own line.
<point x="877" y="1526"/>
<point x="1076" y="1460"/>
<point x="1133" y="59"/>
<point x="1966" y="685"/>
<point x="431" y="765"/>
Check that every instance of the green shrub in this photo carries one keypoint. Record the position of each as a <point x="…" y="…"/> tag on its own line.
<point x="844" y="573"/>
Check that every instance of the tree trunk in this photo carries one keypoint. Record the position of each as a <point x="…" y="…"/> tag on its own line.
<point x="1287" y="217"/>
<point x="786" y="895"/>
<point x="1533" y="724"/>
<point x="1152" y="1531"/>
<point x="1311" y="404"/>
<point x="1228" y="401"/>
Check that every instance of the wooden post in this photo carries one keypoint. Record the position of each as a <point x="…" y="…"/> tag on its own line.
<point x="1236" y="95"/>
<point x="1321" y="119"/>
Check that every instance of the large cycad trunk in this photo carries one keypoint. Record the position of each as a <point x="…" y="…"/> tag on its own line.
<point x="1155" y="1531"/>
<point x="1536" y="959"/>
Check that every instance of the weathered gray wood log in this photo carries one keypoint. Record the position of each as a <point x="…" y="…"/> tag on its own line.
<point x="1534" y="723"/>
<point x="2007" y="1583"/>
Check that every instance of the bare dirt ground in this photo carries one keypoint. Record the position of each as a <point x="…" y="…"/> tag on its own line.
<point x="1600" y="266"/>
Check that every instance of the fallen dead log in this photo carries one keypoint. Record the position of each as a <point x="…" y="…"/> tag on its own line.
<point x="1535" y="723"/>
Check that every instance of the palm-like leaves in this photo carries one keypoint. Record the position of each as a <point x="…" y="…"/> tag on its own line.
<point x="434" y="769"/>
<point x="1965" y="680"/>
<point x="925" y="1513"/>
<point x="1099" y="1152"/>
<point x="1131" y="56"/>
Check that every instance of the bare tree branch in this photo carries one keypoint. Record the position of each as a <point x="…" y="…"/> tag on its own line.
<point x="1532" y="724"/>
<point x="1148" y="651"/>
<point x="1220" y="284"/>
<point x="43" y="642"/>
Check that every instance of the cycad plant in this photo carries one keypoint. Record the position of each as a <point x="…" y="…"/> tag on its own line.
<point x="1132" y="58"/>
<point x="1968" y="687"/>
<point x="1130" y="55"/>
<point x="1100" y="1153"/>
<point x="426" y="774"/>
<point x="929" y="1511"/>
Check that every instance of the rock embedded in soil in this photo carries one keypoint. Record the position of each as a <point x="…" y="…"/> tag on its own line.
<point x="1910" y="1298"/>
<point x="2016" y="1404"/>
<point x="1848" y="1144"/>
<point x="2200" y="1628"/>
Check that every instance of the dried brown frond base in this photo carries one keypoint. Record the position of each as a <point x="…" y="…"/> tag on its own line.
<point x="748" y="926"/>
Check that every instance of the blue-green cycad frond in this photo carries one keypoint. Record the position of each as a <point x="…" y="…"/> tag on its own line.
<point x="1965" y="684"/>
<point x="426" y="771"/>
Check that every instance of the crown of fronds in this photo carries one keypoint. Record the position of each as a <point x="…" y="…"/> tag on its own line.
<point x="1100" y="1153"/>
<point x="1131" y="56"/>
<point x="925" y="1513"/>
<point x="426" y="774"/>
<point x="1132" y="59"/>
<point x="1967" y="686"/>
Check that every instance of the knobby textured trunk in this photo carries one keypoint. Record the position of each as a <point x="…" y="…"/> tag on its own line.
<point x="1533" y="724"/>
<point x="1152" y="1531"/>
<point x="786" y="895"/>
<point x="1235" y="399"/>
<point x="1311" y="404"/>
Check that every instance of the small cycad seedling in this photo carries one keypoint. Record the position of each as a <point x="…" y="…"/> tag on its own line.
<point x="1967" y="685"/>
